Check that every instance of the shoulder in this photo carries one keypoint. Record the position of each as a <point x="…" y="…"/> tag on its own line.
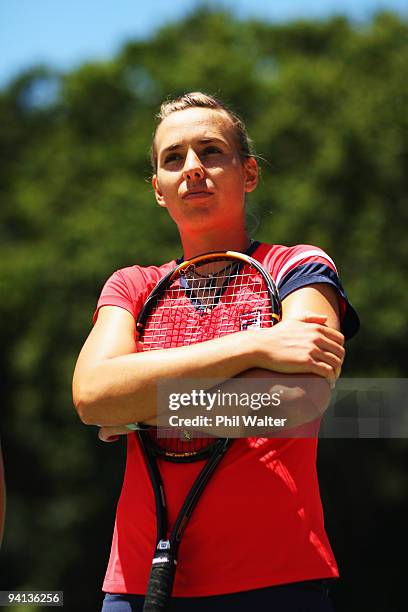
<point x="300" y="265"/>
<point x="141" y="277"/>
<point x="129" y="287"/>
<point x="281" y="259"/>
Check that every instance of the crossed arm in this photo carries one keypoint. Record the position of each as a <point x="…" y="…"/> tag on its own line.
<point x="114" y="384"/>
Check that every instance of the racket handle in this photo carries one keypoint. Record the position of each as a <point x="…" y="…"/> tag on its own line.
<point x="161" y="581"/>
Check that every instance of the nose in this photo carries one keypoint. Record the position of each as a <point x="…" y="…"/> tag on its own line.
<point x="193" y="169"/>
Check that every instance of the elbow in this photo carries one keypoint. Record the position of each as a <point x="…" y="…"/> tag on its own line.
<point x="89" y="394"/>
<point x="86" y="403"/>
<point x="307" y="400"/>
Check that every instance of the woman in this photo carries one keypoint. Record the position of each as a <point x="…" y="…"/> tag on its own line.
<point x="268" y="546"/>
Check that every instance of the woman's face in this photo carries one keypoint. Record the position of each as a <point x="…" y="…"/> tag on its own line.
<point x="201" y="178"/>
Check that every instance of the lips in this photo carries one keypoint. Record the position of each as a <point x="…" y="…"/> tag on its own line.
<point x="194" y="194"/>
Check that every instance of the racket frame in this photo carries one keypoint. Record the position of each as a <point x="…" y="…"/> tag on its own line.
<point x="211" y="256"/>
<point x="164" y="563"/>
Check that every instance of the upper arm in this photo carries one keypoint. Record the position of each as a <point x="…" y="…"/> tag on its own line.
<point x="113" y="334"/>
<point x="318" y="298"/>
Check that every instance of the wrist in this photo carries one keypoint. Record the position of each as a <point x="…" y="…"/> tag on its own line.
<point x="254" y="352"/>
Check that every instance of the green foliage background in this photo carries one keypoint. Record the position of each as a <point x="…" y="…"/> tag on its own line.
<point x="326" y="104"/>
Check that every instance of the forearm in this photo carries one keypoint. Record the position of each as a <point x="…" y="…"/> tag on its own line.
<point x="303" y="397"/>
<point x="291" y="400"/>
<point x="123" y="389"/>
<point x="304" y="400"/>
<point x="115" y="386"/>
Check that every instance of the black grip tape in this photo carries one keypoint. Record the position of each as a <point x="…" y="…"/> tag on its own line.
<point x="161" y="581"/>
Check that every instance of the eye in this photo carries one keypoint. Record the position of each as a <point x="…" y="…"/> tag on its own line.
<point x="172" y="157"/>
<point x="211" y="150"/>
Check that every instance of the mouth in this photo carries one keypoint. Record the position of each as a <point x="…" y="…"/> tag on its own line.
<point x="196" y="194"/>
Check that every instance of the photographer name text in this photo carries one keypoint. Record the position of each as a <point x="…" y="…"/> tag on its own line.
<point x="226" y="421"/>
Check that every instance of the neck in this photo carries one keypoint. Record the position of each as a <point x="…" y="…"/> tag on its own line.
<point x="226" y="240"/>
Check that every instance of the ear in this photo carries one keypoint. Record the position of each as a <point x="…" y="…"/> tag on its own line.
<point x="159" y="196"/>
<point x="251" y="174"/>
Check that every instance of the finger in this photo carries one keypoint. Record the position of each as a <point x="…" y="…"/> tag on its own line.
<point x="330" y="346"/>
<point x="326" y="371"/>
<point x="332" y="361"/>
<point x="319" y="324"/>
<point x="105" y="437"/>
<point x="328" y="357"/>
<point x="313" y="317"/>
<point x="332" y="334"/>
<point x="108" y="434"/>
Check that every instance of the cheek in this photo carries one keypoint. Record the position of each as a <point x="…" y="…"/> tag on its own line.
<point x="165" y="184"/>
<point x="235" y="181"/>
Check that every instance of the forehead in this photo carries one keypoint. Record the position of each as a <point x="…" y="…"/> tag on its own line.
<point x="193" y="124"/>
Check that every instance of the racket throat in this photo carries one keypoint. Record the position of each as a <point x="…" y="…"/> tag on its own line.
<point x="165" y="554"/>
<point x="163" y="545"/>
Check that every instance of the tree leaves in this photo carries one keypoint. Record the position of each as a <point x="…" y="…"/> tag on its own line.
<point x="326" y="105"/>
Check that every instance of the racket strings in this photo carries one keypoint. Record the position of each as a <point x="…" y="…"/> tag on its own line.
<point x="196" y="308"/>
<point x="204" y="302"/>
<point x="175" y="443"/>
<point x="202" y="271"/>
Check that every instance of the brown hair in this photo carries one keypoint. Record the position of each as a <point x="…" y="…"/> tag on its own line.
<point x="197" y="99"/>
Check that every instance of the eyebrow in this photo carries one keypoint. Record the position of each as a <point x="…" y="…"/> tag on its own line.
<point x="202" y="141"/>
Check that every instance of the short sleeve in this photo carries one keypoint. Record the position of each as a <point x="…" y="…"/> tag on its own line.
<point x="305" y="265"/>
<point x="119" y="291"/>
<point x="129" y="288"/>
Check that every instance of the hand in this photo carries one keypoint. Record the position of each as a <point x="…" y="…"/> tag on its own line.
<point x="111" y="433"/>
<point x="303" y="345"/>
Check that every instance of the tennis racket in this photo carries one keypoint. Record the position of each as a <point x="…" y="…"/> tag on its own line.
<point x="206" y="297"/>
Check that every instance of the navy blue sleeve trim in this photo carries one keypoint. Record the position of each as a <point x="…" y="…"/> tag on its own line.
<point x="315" y="272"/>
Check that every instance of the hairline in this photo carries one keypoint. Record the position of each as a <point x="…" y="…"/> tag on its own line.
<point x="220" y="111"/>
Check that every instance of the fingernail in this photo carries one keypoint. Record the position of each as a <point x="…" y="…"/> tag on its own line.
<point x="113" y="438"/>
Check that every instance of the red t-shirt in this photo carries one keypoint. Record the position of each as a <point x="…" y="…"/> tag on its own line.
<point x="259" y="521"/>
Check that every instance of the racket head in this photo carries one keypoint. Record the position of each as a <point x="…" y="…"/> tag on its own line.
<point x="178" y="445"/>
<point x="206" y="297"/>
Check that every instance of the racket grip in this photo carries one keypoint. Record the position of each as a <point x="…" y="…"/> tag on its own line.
<point x="161" y="581"/>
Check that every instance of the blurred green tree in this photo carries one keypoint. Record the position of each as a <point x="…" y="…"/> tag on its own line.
<point x="326" y="104"/>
